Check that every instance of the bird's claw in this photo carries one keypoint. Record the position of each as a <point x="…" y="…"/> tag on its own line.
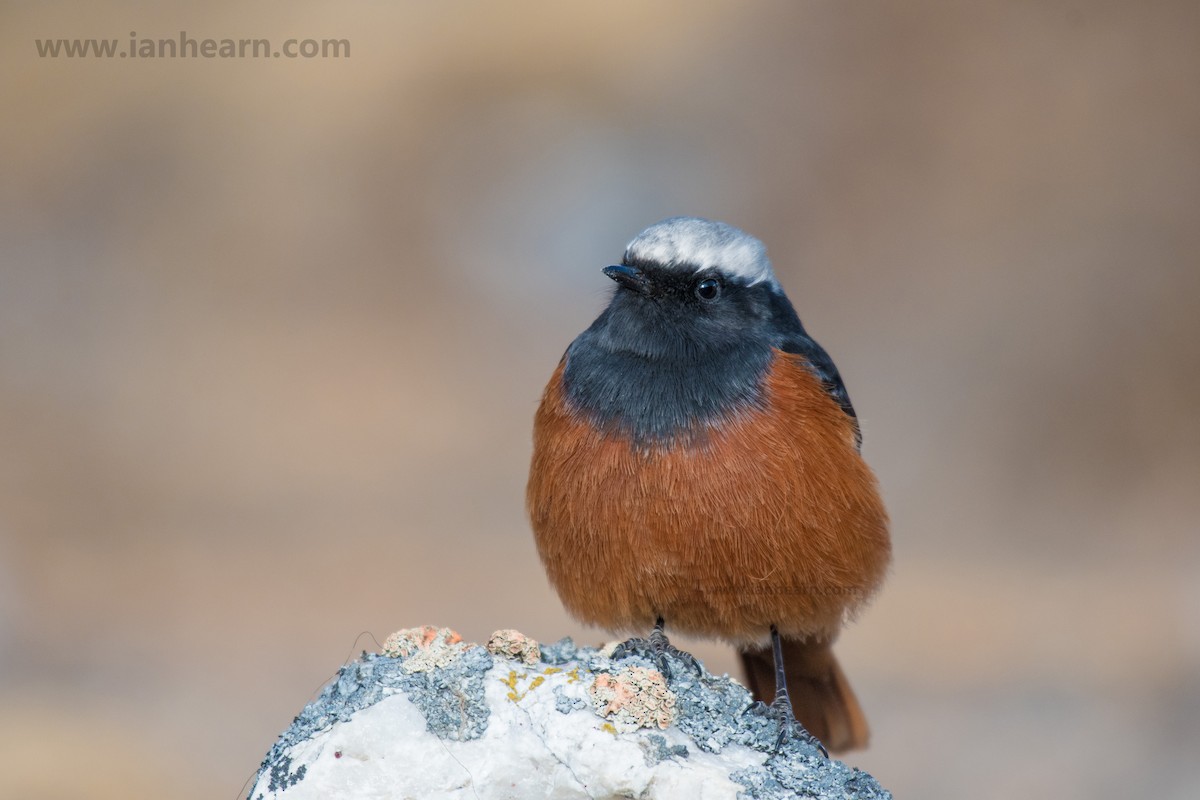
<point x="790" y="727"/>
<point x="633" y="647"/>
<point x="658" y="649"/>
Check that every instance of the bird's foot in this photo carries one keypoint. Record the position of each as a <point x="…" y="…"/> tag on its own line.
<point x="780" y="709"/>
<point x="657" y="648"/>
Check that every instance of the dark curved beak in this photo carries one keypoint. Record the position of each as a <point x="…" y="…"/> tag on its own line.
<point x="629" y="277"/>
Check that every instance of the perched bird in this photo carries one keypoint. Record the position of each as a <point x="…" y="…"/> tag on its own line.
<point x="696" y="463"/>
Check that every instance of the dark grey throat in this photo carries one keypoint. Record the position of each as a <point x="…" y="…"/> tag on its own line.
<point x="650" y="373"/>
<point x="656" y="366"/>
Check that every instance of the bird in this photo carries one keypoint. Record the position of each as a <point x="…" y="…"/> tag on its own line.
<point x="697" y="467"/>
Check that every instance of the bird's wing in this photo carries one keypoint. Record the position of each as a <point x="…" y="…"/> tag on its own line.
<point x="826" y="371"/>
<point x="792" y="338"/>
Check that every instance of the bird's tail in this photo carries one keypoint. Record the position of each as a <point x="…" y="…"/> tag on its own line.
<point x="821" y="696"/>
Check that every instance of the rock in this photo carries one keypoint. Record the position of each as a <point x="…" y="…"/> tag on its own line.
<point x="435" y="717"/>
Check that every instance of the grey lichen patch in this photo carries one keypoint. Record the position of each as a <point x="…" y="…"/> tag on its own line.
<point x="656" y="749"/>
<point x="791" y="774"/>
<point x="563" y="651"/>
<point x="713" y="711"/>
<point x="451" y="697"/>
<point x="564" y="704"/>
<point x="282" y="776"/>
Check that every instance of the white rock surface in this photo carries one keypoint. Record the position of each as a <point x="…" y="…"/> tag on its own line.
<point x="536" y="731"/>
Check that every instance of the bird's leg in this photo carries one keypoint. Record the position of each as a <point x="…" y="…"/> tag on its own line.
<point x="656" y="648"/>
<point x="638" y="646"/>
<point x="663" y="646"/>
<point x="781" y="706"/>
<point x="658" y="637"/>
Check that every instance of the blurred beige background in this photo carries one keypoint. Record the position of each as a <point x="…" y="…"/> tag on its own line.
<point x="272" y="333"/>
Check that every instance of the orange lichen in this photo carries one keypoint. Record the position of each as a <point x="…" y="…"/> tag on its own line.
<point x="632" y="698"/>
<point x="513" y="644"/>
<point x="424" y="648"/>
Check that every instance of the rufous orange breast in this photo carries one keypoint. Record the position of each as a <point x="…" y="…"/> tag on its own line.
<point x="767" y="517"/>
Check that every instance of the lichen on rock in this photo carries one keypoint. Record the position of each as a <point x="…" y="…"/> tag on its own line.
<point x="424" y="648"/>
<point x="508" y="643"/>
<point x="633" y="697"/>
<point x="434" y="717"/>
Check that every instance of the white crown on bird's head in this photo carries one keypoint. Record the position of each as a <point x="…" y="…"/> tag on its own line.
<point x="696" y="244"/>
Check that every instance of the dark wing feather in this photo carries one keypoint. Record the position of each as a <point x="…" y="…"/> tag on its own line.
<point x="796" y="340"/>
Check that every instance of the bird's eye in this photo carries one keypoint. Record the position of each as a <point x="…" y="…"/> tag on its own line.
<point x="708" y="289"/>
